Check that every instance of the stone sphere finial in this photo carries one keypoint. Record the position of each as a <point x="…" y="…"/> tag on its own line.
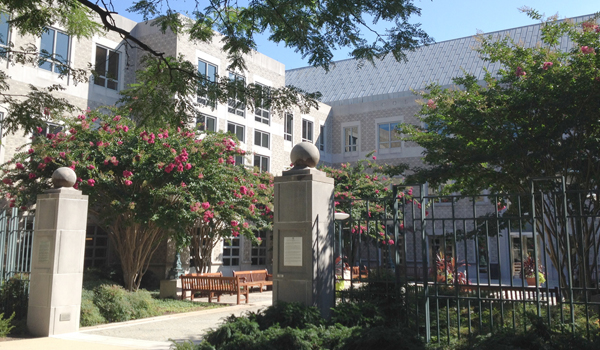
<point x="305" y="154"/>
<point x="64" y="177"/>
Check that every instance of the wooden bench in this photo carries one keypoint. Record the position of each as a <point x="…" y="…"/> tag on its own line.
<point x="255" y="278"/>
<point x="205" y="274"/>
<point x="357" y="273"/>
<point x="507" y="293"/>
<point x="213" y="286"/>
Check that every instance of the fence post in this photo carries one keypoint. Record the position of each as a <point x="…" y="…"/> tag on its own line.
<point x="303" y="268"/>
<point x="57" y="258"/>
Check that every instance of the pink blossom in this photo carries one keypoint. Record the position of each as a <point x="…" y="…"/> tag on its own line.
<point x="374" y="158"/>
<point x="520" y="72"/>
<point x="32" y="176"/>
<point x="234" y="223"/>
<point x="41" y="166"/>
<point x="547" y="65"/>
<point x="390" y="241"/>
<point x="30" y="151"/>
<point x="62" y="154"/>
<point x="200" y="176"/>
<point x="128" y="182"/>
<point x="205" y="205"/>
<point x="587" y="50"/>
<point x="91" y="182"/>
<point x="127" y="173"/>
<point x="402" y="226"/>
<point x="208" y="215"/>
<point x="221" y="161"/>
<point x="94" y="119"/>
<point x="377" y="191"/>
<point x="91" y="167"/>
<point x="245" y="225"/>
<point x="20" y="166"/>
<point x="7" y="181"/>
<point x="431" y="104"/>
<point x="243" y="190"/>
<point x="39" y="130"/>
<point x="50" y="136"/>
<point x="383" y="242"/>
<point x="188" y="166"/>
<point x="117" y="118"/>
<point x="183" y="184"/>
<point x="81" y="117"/>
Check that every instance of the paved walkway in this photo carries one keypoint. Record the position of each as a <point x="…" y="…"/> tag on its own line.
<point x="147" y="334"/>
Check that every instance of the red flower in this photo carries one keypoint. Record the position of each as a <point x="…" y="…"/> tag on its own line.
<point x="128" y="182"/>
<point x="520" y="72"/>
<point x="91" y="182"/>
<point x="205" y="205"/>
<point x="32" y="176"/>
<point x="20" y="166"/>
<point x="127" y="173"/>
<point x="587" y="50"/>
<point x="91" y="167"/>
<point x="30" y="151"/>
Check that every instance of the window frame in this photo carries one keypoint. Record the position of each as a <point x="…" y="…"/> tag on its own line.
<point x="107" y="61"/>
<point x="234" y="105"/>
<point x="243" y="139"/>
<point x="259" y="108"/>
<point x="391" y="139"/>
<point x="262" y="159"/>
<point x="261" y="138"/>
<point x="259" y="252"/>
<point x="288" y="130"/>
<point x="52" y="60"/>
<point x="322" y="137"/>
<point x="202" y="124"/>
<point x="6" y="45"/>
<point x="350" y="147"/>
<point x="228" y="245"/>
<point x="305" y="124"/>
<point x="203" y="98"/>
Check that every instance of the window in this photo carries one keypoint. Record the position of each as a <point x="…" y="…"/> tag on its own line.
<point x="206" y="123"/>
<point x="4" y="32"/>
<point x="54" y="48"/>
<point x="96" y="247"/>
<point x="209" y="74"/>
<point x="261" y="111"/>
<point x="307" y="131"/>
<point x="322" y="138"/>
<point x="259" y="251"/>
<point x="435" y="193"/>
<point x="288" y="126"/>
<point x="239" y="160"/>
<point x="231" y="252"/>
<point x="388" y="136"/>
<point x="236" y="106"/>
<point x="107" y="68"/>
<point x="262" y="163"/>
<point x="261" y="138"/>
<point x="50" y="128"/>
<point x="237" y="130"/>
<point x="350" y="139"/>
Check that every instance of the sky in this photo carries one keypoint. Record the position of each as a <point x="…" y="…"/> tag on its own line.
<point x="441" y="19"/>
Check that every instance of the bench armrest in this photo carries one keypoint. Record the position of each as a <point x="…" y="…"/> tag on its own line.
<point x="269" y="277"/>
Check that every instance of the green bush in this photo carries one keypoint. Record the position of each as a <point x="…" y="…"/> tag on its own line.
<point x="90" y="313"/>
<point x="113" y="303"/>
<point x="142" y="304"/>
<point x="14" y="297"/>
<point x="6" y="325"/>
<point x="294" y="315"/>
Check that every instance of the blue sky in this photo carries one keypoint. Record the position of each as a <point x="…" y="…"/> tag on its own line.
<point x="441" y="19"/>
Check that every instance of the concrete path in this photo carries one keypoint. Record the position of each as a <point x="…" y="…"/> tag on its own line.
<point x="148" y="334"/>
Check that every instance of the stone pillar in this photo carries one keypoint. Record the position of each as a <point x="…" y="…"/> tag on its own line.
<point x="57" y="258"/>
<point x="303" y="268"/>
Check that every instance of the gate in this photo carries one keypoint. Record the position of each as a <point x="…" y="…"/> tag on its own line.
<point x="466" y="265"/>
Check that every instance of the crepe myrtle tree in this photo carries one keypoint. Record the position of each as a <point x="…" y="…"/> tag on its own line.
<point x="537" y="117"/>
<point x="142" y="183"/>
<point x="237" y="203"/>
<point x="363" y="190"/>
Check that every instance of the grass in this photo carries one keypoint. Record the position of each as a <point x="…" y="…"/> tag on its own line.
<point x="173" y="306"/>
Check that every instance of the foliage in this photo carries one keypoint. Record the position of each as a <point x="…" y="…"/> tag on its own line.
<point x="146" y="185"/>
<point x="113" y="303"/>
<point x="447" y="270"/>
<point x="6" y="325"/>
<point x="90" y="313"/>
<point x="528" y="269"/>
<point x="14" y="298"/>
<point x="537" y="118"/>
<point x="313" y="29"/>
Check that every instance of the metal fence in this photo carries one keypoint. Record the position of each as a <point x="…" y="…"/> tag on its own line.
<point x="472" y="265"/>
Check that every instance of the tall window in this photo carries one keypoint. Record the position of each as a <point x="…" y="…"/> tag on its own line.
<point x="205" y="122"/>
<point x="388" y="137"/>
<point x="54" y="49"/>
<point x="261" y="138"/>
<point x="1" y="126"/>
<point x="239" y="160"/>
<point x="259" y="251"/>
<point x="231" y="252"/>
<point x="261" y="111"/>
<point x="235" y="104"/>
<point x="307" y="131"/>
<point x="262" y="163"/>
<point x="50" y="128"/>
<point x="4" y="32"/>
<point x="288" y="126"/>
<point x="96" y="247"/>
<point x="350" y="139"/>
<point x="322" y="138"/>
<point x="208" y="72"/>
<point x="237" y="130"/>
<point x="107" y="68"/>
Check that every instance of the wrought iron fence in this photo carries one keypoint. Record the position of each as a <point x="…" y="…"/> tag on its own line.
<point x="465" y="265"/>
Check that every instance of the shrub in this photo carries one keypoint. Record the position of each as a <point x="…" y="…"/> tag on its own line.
<point x="142" y="304"/>
<point x="14" y="297"/>
<point x="113" y="303"/>
<point x="90" y="313"/>
<point x="294" y="315"/>
<point x="6" y="325"/>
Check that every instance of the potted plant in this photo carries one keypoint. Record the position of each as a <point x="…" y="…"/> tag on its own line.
<point x="528" y="272"/>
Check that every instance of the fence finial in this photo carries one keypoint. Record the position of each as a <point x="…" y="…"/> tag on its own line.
<point x="63" y="177"/>
<point x="304" y="155"/>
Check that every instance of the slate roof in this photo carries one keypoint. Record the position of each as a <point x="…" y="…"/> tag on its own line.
<point x="346" y="83"/>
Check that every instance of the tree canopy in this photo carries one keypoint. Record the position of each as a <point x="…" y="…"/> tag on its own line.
<point x="538" y="117"/>
<point x="313" y="28"/>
